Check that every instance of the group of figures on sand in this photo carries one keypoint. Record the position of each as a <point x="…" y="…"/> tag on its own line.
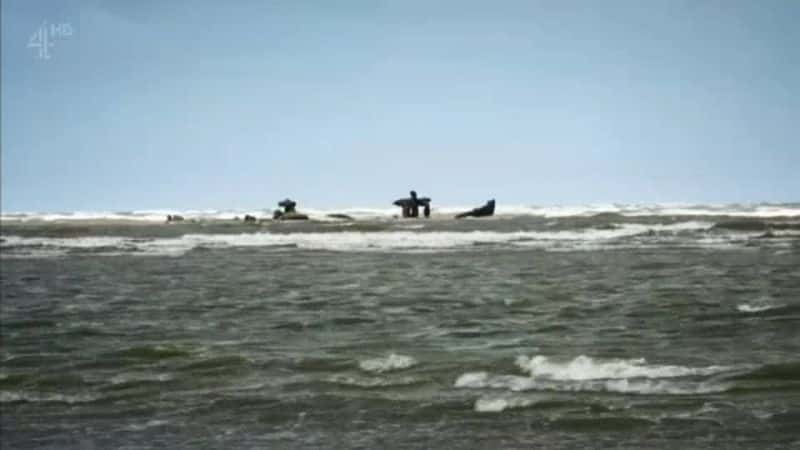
<point x="409" y="209"/>
<point x="289" y="212"/>
<point x="411" y="205"/>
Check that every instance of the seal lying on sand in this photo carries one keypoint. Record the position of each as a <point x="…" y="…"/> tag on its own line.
<point x="484" y="211"/>
<point x="411" y="205"/>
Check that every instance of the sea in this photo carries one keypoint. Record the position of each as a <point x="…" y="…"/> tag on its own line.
<point x="594" y="326"/>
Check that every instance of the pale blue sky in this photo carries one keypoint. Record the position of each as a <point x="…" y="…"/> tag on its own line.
<point x="209" y="104"/>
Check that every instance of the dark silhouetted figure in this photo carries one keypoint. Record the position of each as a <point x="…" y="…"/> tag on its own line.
<point x="414" y="206"/>
<point x="484" y="211"/>
<point x="174" y="218"/>
<point x="249" y="218"/>
<point x="287" y="205"/>
<point x="410" y="206"/>
<point x="288" y="212"/>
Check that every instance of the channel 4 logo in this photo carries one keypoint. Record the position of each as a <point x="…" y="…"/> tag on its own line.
<point x="44" y="38"/>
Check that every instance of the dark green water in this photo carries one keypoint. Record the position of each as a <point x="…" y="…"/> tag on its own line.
<point x="524" y="333"/>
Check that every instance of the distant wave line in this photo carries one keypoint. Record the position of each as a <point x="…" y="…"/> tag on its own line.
<point x="762" y="210"/>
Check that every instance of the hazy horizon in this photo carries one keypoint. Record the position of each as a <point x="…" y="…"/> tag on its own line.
<point x="202" y="105"/>
<point x="369" y="212"/>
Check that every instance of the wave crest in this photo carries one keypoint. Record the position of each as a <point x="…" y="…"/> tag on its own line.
<point x="585" y="374"/>
<point x="756" y="308"/>
<point x="387" y="364"/>
<point x="586" y="368"/>
<point x="763" y="210"/>
<point x="38" y="397"/>
<point x="333" y="241"/>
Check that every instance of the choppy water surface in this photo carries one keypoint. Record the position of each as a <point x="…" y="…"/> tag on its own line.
<point x="514" y="332"/>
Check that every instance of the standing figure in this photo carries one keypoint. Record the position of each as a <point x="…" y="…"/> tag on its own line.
<point x="414" y="210"/>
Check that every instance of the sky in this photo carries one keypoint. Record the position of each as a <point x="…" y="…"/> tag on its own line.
<point x="195" y="104"/>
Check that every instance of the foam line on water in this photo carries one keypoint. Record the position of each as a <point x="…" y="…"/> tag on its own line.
<point x="387" y="364"/>
<point x="388" y="212"/>
<point x="39" y="397"/>
<point x="498" y="404"/>
<point x="587" y="368"/>
<point x="339" y="241"/>
<point x="584" y="373"/>
<point x="516" y="383"/>
<point x="755" y="308"/>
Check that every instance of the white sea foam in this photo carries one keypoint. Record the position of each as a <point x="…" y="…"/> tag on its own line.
<point x="746" y="308"/>
<point x="154" y="215"/>
<point x="472" y="380"/>
<point x="586" y="368"/>
<point x="387" y="364"/>
<point x="516" y="383"/>
<point x="498" y="404"/>
<point x="388" y="212"/>
<point x="110" y="245"/>
<point x="137" y="377"/>
<point x="662" y="387"/>
<point x="149" y="424"/>
<point x="339" y="241"/>
<point x="39" y="397"/>
<point x="748" y="210"/>
<point x="490" y="404"/>
<point x="372" y="382"/>
<point x="587" y="374"/>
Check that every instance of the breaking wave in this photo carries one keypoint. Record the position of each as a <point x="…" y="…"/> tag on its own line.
<point x="756" y="308"/>
<point x="762" y="210"/>
<point x="516" y="383"/>
<point x="586" y="368"/>
<point x="390" y="363"/>
<point x="583" y="373"/>
<point x="38" y="397"/>
<point x="333" y="241"/>
<point x="372" y="382"/>
<point x="497" y="404"/>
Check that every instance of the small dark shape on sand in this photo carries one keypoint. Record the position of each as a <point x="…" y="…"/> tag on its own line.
<point x="288" y="212"/>
<point x="250" y="219"/>
<point x="411" y="205"/>
<point x="174" y="218"/>
<point x="484" y="211"/>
